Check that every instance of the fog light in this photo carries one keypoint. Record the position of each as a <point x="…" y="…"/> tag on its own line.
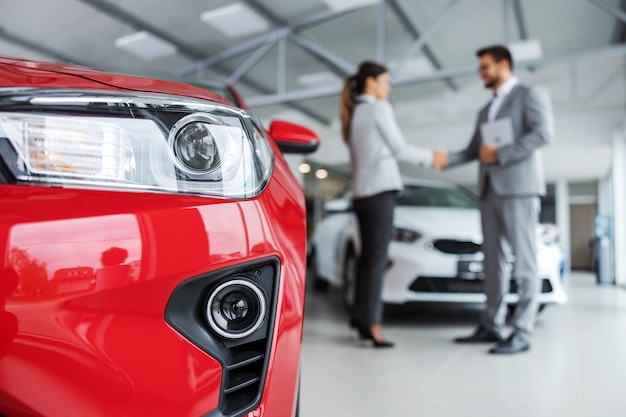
<point x="236" y="309"/>
<point x="475" y="267"/>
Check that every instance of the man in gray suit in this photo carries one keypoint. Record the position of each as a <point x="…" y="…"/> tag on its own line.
<point x="510" y="131"/>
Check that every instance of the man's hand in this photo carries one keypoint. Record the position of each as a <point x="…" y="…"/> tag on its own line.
<point x="488" y="154"/>
<point x="440" y="159"/>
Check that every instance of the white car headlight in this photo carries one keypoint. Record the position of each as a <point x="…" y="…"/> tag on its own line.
<point x="399" y="234"/>
<point x="549" y="234"/>
<point x="134" y="142"/>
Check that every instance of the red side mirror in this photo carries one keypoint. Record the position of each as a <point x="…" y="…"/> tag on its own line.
<point x="293" y="138"/>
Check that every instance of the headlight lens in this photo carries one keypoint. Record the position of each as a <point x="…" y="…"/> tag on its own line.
<point x="236" y="309"/>
<point x="549" y="234"/>
<point x="404" y="235"/>
<point x="139" y="143"/>
<point x="194" y="147"/>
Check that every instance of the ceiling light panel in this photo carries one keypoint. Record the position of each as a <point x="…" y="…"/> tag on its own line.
<point x="526" y="50"/>
<point x="145" y="45"/>
<point x="412" y="67"/>
<point x="235" y="20"/>
<point x="318" y="79"/>
<point x="339" y="5"/>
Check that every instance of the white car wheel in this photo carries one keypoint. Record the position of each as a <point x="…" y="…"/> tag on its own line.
<point x="319" y="284"/>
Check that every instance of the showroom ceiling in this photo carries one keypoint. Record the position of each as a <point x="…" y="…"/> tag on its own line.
<point x="298" y="51"/>
<point x="286" y="53"/>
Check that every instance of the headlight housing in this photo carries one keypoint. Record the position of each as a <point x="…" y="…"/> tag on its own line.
<point x="549" y="234"/>
<point x="399" y="234"/>
<point x="132" y="142"/>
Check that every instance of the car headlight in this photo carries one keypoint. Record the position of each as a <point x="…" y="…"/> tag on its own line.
<point x="134" y="142"/>
<point x="404" y="235"/>
<point x="549" y="234"/>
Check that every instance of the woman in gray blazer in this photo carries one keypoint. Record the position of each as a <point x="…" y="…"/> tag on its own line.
<point x="376" y="145"/>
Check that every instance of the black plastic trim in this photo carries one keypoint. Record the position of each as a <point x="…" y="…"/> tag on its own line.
<point x="460" y="285"/>
<point x="457" y="247"/>
<point x="301" y="148"/>
<point x="6" y="151"/>
<point x="244" y="361"/>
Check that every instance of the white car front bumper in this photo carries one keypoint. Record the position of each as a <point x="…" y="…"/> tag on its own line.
<point x="420" y="273"/>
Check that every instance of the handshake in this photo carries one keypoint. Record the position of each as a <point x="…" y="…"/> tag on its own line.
<point x="440" y="159"/>
<point x="487" y="153"/>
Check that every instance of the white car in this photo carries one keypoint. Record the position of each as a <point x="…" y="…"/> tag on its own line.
<point x="435" y="253"/>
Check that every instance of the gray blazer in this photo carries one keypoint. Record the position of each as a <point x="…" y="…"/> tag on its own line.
<point x="519" y="170"/>
<point x="376" y="146"/>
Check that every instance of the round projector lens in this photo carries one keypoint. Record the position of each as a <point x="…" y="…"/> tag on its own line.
<point x="236" y="309"/>
<point x="193" y="145"/>
<point x="195" y="148"/>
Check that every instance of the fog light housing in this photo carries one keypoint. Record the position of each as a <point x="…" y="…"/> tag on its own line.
<point x="236" y="309"/>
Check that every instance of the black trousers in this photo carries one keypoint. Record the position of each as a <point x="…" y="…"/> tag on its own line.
<point x="375" y="216"/>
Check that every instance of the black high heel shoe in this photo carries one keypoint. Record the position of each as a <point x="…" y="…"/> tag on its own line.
<point x="354" y="323"/>
<point x="359" y="327"/>
<point x="365" y="334"/>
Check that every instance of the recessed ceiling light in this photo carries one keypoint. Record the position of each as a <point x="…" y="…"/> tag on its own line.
<point x="235" y="20"/>
<point x="318" y="79"/>
<point x="145" y="45"/>
<point x="321" y="174"/>
<point x="412" y="67"/>
<point x="304" y="168"/>
<point x="525" y="50"/>
<point x="339" y="5"/>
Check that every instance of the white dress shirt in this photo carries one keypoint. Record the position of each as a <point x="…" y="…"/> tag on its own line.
<point x="376" y="146"/>
<point x="500" y="95"/>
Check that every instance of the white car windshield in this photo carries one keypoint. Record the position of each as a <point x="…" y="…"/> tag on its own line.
<point x="427" y="196"/>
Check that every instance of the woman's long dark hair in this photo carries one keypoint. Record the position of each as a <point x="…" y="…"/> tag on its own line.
<point x="353" y="87"/>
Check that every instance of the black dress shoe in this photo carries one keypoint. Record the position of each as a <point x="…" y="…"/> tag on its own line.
<point x="480" y="335"/>
<point x="366" y="335"/>
<point x="514" y="344"/>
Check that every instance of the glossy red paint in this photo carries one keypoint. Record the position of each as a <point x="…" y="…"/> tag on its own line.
<point x="86" y="275"/>
<point x="291" y="137"/>
<point x="24" y="73"/>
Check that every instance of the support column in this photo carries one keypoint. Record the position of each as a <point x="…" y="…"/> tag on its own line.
<point x="563" y="219"/>
<point x="619" y="204"/>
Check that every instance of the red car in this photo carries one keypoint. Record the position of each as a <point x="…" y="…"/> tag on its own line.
<point x="153" y="244"/>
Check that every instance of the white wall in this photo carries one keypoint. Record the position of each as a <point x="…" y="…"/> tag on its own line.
<point x="619" y="204"/>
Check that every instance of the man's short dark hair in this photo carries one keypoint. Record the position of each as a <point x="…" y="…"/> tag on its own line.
<point x="498" y="52"/>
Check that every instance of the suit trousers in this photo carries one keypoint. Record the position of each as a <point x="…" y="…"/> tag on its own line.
<point x="375" y="217"/>
<point x="512" y="221"/>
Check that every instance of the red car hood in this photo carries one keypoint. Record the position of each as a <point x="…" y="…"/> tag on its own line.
<point x="15" y="72"/>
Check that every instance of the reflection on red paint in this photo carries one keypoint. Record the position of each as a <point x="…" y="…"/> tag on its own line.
<point x="257" y="412"/>
<point x="71" y="280"/>
<point x="8" y="321"/>
<point x="58" y="257"/>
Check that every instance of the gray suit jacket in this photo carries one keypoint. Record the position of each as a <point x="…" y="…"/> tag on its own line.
<point x="519" y="170"/>
<point x="376" y="146"/>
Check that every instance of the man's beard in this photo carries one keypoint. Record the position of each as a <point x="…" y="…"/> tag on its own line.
<point x="490" y="83"/>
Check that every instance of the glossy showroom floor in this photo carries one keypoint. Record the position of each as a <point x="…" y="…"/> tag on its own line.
<point x="576" y="366"/>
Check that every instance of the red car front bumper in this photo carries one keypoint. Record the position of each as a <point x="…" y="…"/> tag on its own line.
<point x="86" y="282"/>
